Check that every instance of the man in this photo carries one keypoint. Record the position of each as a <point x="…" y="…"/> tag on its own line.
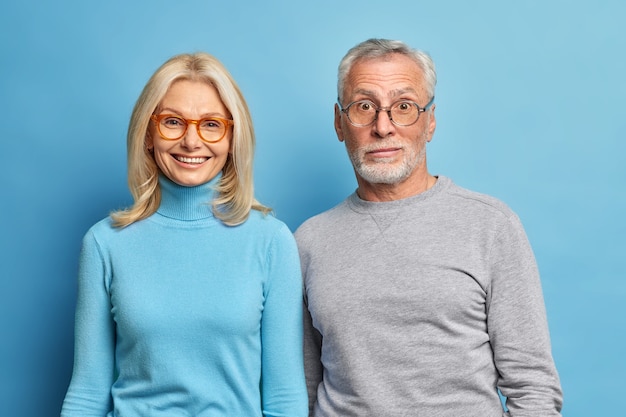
<point x="421" y="298"/>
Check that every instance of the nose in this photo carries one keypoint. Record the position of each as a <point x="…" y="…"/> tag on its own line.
<point x="383" y="126"/>
<point x="191" y="139"/>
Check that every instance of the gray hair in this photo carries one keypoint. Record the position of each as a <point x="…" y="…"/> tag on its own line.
<point x="378" y="48"/>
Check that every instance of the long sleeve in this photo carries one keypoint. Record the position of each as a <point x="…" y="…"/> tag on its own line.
<point x="518" y="328"/>
<point x="283" y="388"/>
<point x="313" y="369"/>
<point x="89" y="393"/>
<point x="312" y="357"/>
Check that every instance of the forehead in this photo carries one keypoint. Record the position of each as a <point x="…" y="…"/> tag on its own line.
<point x="387" y="76"/>
<point x="193" y="97"/>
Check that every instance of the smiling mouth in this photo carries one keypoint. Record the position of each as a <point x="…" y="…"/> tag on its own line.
<point x="190" y="160"/>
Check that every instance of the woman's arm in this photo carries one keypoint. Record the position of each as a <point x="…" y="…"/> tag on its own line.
<point x="89" y="393"/>
<point x="283" y="387"/>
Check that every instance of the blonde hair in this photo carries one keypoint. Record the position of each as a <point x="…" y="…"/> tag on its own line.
<point x="235" y="191"/>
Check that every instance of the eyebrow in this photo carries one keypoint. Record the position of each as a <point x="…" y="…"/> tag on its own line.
<point x="203" y="116"/>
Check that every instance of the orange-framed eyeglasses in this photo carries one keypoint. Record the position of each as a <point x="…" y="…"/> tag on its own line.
<point x="173" y="127"/>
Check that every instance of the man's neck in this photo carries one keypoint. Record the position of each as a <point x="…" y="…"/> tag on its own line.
<point x="390" y="192"/>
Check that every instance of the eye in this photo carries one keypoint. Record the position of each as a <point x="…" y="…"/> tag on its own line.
<point x="211" y="124"/>
<point x="172" y="121"/>
<point x="365" y="106"/>
<point x="404" y="106"/>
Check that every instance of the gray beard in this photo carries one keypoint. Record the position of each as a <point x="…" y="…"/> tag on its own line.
<point x="384" y="173"/>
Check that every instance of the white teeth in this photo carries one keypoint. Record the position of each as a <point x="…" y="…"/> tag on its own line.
<point x="188" y="160"/>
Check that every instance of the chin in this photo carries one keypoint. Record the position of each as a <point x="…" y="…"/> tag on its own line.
<point x="191" y="182"/>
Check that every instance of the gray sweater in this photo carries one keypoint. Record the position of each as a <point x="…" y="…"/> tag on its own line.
<point x="424" y="307"/>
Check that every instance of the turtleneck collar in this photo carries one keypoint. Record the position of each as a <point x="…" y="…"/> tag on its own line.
<point x="186" y="203"/>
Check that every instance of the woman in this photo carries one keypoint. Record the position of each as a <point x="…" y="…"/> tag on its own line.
<point x="189" y="302"/>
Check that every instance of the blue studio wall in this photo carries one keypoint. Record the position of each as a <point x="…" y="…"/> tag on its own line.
<point x="530" y="109"/>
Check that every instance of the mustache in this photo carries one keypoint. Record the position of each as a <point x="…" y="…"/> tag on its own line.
<point x="379" y="146"/>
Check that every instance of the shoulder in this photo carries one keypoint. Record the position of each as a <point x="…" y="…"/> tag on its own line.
<point x="102" y="229"/>
<point x="479" y="212"/>
<point x="475" y="202"/>
<point x="326" y="218"/>
<point x="268" y="225"/>
<point x="323" y="220"/>
<point x="98" y="240"/>
<point x="105" y="234"/>
<point x="261" y="220"/>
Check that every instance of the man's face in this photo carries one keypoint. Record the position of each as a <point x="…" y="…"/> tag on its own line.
<point x="384" y="153"/>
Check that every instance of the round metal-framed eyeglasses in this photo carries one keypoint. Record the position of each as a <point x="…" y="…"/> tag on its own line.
<point x="401" y="113"/>
<point x="173" y="127"/>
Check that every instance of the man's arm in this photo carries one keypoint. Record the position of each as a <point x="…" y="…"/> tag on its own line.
<point x="518" y="328"/>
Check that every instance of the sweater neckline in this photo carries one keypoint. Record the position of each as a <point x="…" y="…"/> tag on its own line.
<point x="187" y="203"/>
<point x="365" y="206"/>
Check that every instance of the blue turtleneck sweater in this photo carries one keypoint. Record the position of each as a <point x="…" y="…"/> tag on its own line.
<point x="180" y="315"/>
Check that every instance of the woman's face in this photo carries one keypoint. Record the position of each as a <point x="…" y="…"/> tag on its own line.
<point x="190" y="161"/>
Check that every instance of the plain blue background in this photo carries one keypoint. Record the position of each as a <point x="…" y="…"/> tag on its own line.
<point x="530" y="109"/>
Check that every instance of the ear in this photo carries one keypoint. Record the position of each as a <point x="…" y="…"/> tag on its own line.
<point x="432" y="123"/>
<point x="338" y="128"/>
<point x="148" y="141"/>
